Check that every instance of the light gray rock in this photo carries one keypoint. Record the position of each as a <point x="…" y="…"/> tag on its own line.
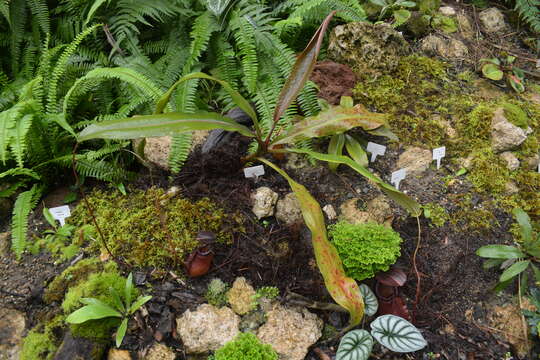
<point x="447" y="11"/>
<point x="492" y="20"/>
<point x="117" y="354"/>
<point x="330" y="212"/>
<point x="505" y="135"/>
<point x="510" y="188"/>
<point x="290" y="332"/>
<point x="451" y="49"/>
<point x="416" y="160"/>
<point x="207" y="329"/>
<point x="12" y="324"/>
<point x="264" y="199"/>
<point x="160" y="352"/>
<point x="288" y="210"/>
<point x="512" y="162"/>
<point x="241" y="296"/>
<point x="464" y="25"/>
<point x="376" y="210"/>
<point x="369" y="49"/>
<point x="531" y="163"/>
<point x="4" y="242"/>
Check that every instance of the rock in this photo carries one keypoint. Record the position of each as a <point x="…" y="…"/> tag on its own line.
<point x="80" y="349"/>
<point x="263" y="200"/>
<point x="12" y="325"/>
<point x="117" y="354"/>
<point x="447" y="11"/>
<point x="198" y="137"/>
<point x="465" y="27"/>
<point x="334" y="81"/>
<point x="290" y="332"/>
<point x="467" y="162"/>
<point x="296" y="161"/>
<point x="512" y="162"/>
<point x="416" y="160"/>
<point x="445" y="124"/>
<point x="492" y="20"/>
<point x="160" y="352"/>
<point x="451" y="49"/>
<point x="240" y="296"/>
<point x="207" y="329"/>
<point x="504" y="134"/>
<point x="156" y="150"/>
<point x="330" y="212"/>
<point x="368" y="49"/>
<point x="531" y="163"/>
<point x="510" y="188"/>
<point x="288" y="210"/>
<point x="252" y="321"/>
<point x="377" y="210"/>
<point x="4" y="242"/>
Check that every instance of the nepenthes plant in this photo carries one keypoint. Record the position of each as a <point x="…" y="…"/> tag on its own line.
<point x="279" y="139"/>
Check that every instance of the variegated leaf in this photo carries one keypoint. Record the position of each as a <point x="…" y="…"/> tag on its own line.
<point x="370" y="300"/>
<point x="397" y="334"/>
<point x="355" y="345"/>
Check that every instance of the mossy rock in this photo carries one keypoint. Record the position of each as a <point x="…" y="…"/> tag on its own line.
<point x="516" y="115"/>
<point x="152" y="229"/>
<point x="43" y="340"/>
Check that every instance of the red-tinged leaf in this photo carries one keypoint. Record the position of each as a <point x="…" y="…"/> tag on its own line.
<point x="160" y="125"/>
<point x="334" y="120"/>
<point x="344" y="290"/>
<point x="301" y="70"/>
<point x="393" y="277"/>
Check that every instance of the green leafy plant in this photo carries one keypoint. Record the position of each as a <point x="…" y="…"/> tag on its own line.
<point x="365" y="249"/>
<point x="395" y="9"/>
<point x="267" y="292"/>
<point x="246" y="346"/>
<point x="123" y="308"/>
<point x="216" y="292"/>
<point x="278" y="139"/>
<point x="529" y="10"/>
<point x="515" y="259"/>
<point x="533" y="317"/>
<point x="495" y="69"/>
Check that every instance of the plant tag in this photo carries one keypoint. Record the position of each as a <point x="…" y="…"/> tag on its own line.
<point x="60" y="213"/>
<point x="438" y="154"/>
<point x="254" y="172"/>
<point x="375" y="149"/>
<point x="397" y="176"/>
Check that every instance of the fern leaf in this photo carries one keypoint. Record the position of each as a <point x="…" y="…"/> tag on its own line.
<point x="180" y="146"/>
<point x="18" y="138"/>
<point x="93" y="9"/>
<point x="40" y="11"/>
<point x="245" y="42"/>
<point x="20" y="172"/>
<point x="529" y="10"/>
<point x="18" y="17"/>
<point x="7" y="121"/>
<point x="25" y="202"/>
<point x="203" y="27"/>
<point x="4" y="10"/>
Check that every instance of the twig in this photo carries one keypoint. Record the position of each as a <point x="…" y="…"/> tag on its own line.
<point x="321" y="354"/>
<point x="523" y="322"/>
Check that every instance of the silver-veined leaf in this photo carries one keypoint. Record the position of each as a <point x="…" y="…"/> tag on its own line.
<point x="370" y="300"/>
<point x="397" y="334"/>
<point x="355" y="345"/>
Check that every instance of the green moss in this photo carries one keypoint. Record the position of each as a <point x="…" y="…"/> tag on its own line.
<point x="246" y="346"/>
<point x="516" y="115"/>
<point x="70" y="277"/>
<point x="488" y="172"/>
<point x="216" y="292"/>
<point x="365" y="249"/>
<point x="474" y="218"/>
<point x="436" y="213"/>
<point x="96" y="285"/>
<point x="444" y="23"/>
<point x="151" y="229"/>
<point x="42" y="341"/>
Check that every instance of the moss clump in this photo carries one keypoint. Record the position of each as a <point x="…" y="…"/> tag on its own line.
<point x="97" y="285"/>
<point x="70" y="277"/>
<point x="43" y="340"/>
<point x="488" y="172"/>
<point x="246" y="346"/>
<point x="151" y="229"/>
<point x="436" y="213"/>
<point x="365" y="249"/>
<point x="216" y="293"/>
<point x="516" y="115"/>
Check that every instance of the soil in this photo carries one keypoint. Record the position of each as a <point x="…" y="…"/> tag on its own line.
<point x="447" y="295"/>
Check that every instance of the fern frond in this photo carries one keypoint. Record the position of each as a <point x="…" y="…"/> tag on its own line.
<point x="101" y="170"/>
<point x="18" y="18"/>
<point x="7" y="121"/>
<point x="18" y="138"/>
<point x="60" y="68"/>
<point x="529" y="11"/>
<point x="25" y="202"/>
<point x="203" y="27"/>
<point x="40" y="11"/>
<point x="180" y="146"/>
<point x="245" y="42"/>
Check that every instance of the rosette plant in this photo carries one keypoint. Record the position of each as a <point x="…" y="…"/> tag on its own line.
<point x="278" y="139"/>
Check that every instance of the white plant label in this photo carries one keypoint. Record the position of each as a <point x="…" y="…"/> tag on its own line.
<point x="60" y="213"/>
<point x="254" y="172"/>
<point x="375" y="149"/>
<point x="438" y="154"/>
<point x="397" y="176"/>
